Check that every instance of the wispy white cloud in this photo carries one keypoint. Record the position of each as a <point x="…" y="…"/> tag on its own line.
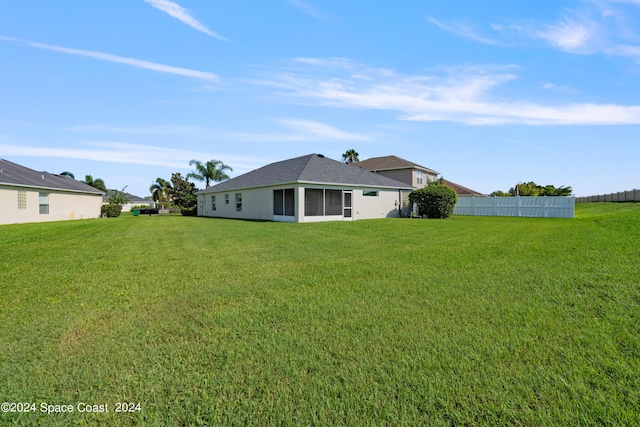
<point x="462" y="95"/>
<point x="181" y="14"/>
<point x="571" y="35"/>
<point x="118" y="152"/>
<point x="463" y="30"/>
<point x="559" y="88"/>
<point x="150" y="130"/>
<point x="314" y="129"/>
<point x="303" y="131"/>
<point x="308" y="8"/>
<point x="140" y="63"/>
<point x="636" y="2"/>
<point x="607" y="27"/>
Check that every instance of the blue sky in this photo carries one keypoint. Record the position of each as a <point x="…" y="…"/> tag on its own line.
<point x="487" y="93"/>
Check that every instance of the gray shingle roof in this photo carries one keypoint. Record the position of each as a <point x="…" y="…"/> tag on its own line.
<point x="14" y="174"/>
<point x="309" y="169"/>
<point x="390" y="163"/>
<point x="461" y="190"/>
<point x="132" y="198"/>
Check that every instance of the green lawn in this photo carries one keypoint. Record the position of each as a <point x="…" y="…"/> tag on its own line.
<point x="464" y="321"/>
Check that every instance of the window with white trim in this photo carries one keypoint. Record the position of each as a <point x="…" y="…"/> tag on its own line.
<point x="44" y="203"/>
<point x="370" y="193"/>
<point x="419" y="177"/>
<point x="213" y="202"/>
<point x="238" y="202"/>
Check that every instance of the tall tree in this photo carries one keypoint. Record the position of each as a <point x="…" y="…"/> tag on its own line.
<point x="532" y="189"/>
<point x="213" y="170"/>
<point x="350" y="156"/>
<point x="119" y="198"/>
<point x="182" y="192"/>
<point x="160" y="191"/>
<point x="95" y="183"/>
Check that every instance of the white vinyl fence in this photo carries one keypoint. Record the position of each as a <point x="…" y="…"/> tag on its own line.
<point x="534" y="207"/>
<point x="622" y="196"/>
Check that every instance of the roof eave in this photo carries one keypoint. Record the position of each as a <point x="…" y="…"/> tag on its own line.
<point x="11" y="184"/>
<point x="335" y="184"/>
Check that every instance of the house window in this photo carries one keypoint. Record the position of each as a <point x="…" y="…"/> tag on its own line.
<point x="22" y="199"/>
<point x="44" y="203"/>
<point x="238" y="202"/>
<point x="419" y="177"/>
<point x="283" y="202"/>
<point x="213" y="202"/>
<point x="226" y="199"/>
<point x="370" y="193"/>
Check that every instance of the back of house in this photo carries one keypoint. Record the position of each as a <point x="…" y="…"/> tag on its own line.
<point x="27" y="195"/>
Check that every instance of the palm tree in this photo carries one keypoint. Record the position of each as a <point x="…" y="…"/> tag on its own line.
<point x="213" y="170"/>
<point x="95" y="183"/>
<point x="160" y="191"/>
<point x="69" y="174"/>
<point x="350" y="156"/>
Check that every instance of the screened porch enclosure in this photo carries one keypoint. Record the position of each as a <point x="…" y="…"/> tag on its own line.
<point x="327" y="202"/>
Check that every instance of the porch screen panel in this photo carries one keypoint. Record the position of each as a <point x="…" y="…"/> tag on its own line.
<point x="289" y="202"/>
<point x="278" y="201"/>
<point x="313" y="202"/>
<point x="333" y="202"/>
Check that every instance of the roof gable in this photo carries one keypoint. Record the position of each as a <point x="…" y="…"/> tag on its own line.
<point x="312" y="168"/>
<point x="132" y="198"/>
<point x="16" y="175"/>
<point x="462" y="190"/>
<point x="390" y="163"/>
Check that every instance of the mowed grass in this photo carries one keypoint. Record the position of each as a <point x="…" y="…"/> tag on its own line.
<point x="464" y="321"/>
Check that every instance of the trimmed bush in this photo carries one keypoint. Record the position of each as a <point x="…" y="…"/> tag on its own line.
<point x="189" y="211"/>
<point x="435" y="200"/>
<point x="110" y="211"/>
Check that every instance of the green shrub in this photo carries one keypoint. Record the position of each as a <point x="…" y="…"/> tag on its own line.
<point x="138" y="207"/>
<point x="110" y="211"/>
<point x="189" y="211"/>
<point x="435" y="200"/>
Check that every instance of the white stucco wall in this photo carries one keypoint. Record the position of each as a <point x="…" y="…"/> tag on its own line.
<point x="62" y="206"/>
<point x="384" y="205"/>
<point x="127" y="207"/>
<point x="258" y="204"/>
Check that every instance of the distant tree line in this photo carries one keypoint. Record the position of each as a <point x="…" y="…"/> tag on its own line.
<point x="533" y="189"/>
<point x="180" y="192"/>
<point x="177" y="192"/>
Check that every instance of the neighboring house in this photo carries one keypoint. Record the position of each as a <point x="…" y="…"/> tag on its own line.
<point x="27" y="195"/>
<point x="399" y="169"/>
<point x="410" y="173"/>
<point x="463" y="191"/>
<point x="133" y="201"/>
<point x="310" y="188"/>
